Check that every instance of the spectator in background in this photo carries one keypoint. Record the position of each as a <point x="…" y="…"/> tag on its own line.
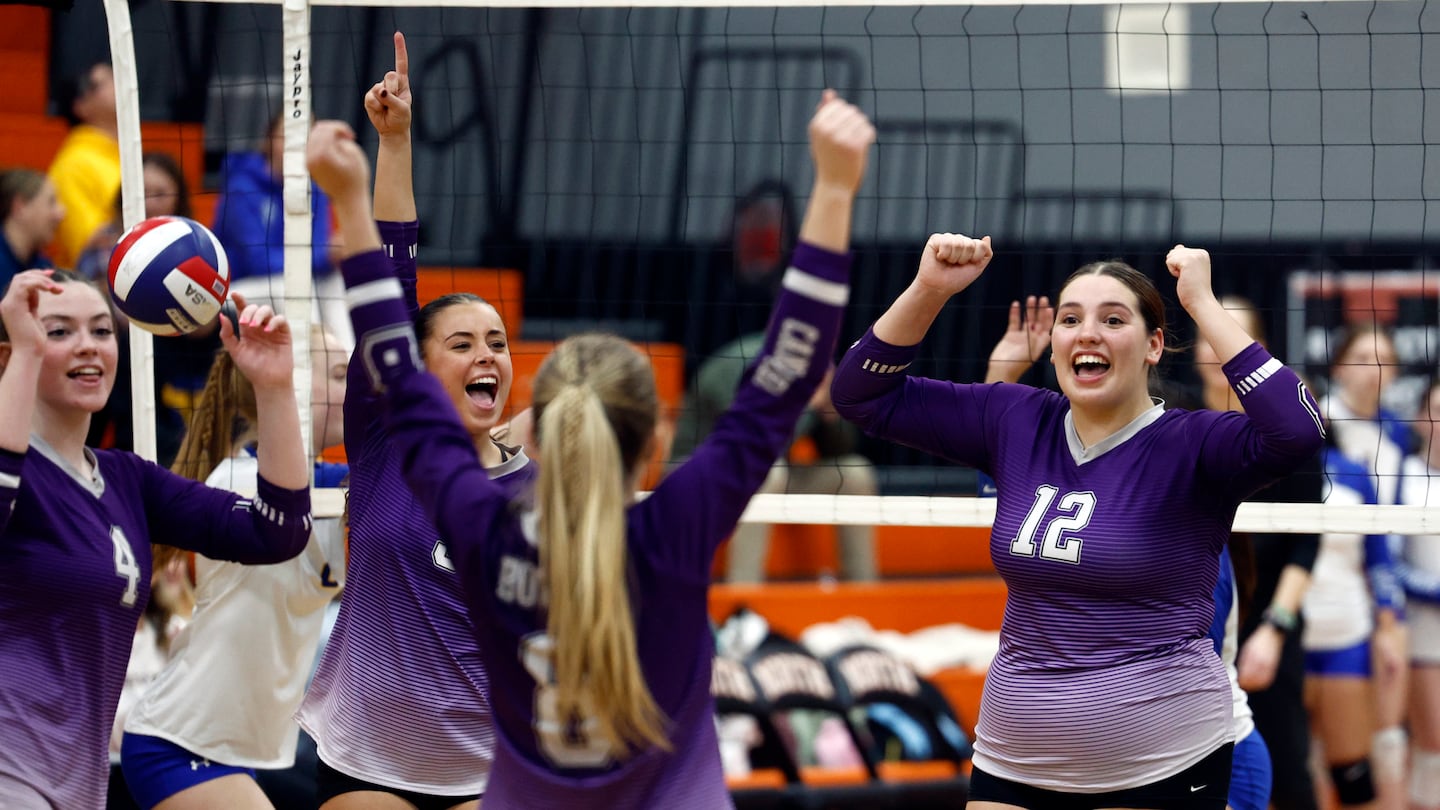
<point x="821" y="459"/>
<point x="32" y="212"/>
<point x="250" y="223"/>
<point x="166" y="194"/>
<point x="86" y="170"/>
<point x="1362" y="368"/>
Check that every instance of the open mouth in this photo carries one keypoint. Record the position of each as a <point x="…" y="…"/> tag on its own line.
<point x="482" y="390"/>
<point x="1090" y="366"/>
<point x="86" y="374"/>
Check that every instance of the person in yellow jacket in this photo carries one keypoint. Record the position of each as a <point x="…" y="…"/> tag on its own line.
<point x="86" y="170"/>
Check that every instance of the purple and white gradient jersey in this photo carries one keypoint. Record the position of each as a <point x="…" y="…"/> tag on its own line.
<point x="400" y="697"/>
<point x="74" y="580"/>
<point x="541" y="762"/>
<point x="1105" y="679"/>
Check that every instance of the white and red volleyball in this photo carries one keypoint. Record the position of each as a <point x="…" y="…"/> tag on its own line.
<point x="169" y="275"/>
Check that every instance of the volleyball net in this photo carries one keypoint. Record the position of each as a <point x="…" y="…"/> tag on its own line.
<point x="641" y="168"/>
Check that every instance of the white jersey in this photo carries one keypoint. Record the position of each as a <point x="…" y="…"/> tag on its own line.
<point x="1371" y="442"/>
<point x="1337" y="606"/>
<point x="1420" y="486"/>
<point x="237" y="672"/>
<point x="1229" y="651"/>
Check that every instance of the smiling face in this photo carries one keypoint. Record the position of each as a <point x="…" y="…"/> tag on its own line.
<point x="1102" y="348"/>
<point x="78" y="370"/>
<point x="466" y="347"/>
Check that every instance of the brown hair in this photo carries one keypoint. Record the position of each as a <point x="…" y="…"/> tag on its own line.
<point x="167" y="164"/>
<point x="18" y="184"/>
<point x="595" y="413"/>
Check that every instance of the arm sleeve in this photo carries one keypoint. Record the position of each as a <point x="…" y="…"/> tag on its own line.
<point x="364" y="409"/>
<point x="10" y="465"/>
<point x="954" y="421"/>
<point x="1280" y="429"/>
<point x="1418" y="583"/>
<point x="401" y="243"/>
<point x="437" y="455"/>
<point x="1305" y="485"/>
<point x="1380" y="569"/>
<point x="709" y="492"/>
<point x="270" y="527"/>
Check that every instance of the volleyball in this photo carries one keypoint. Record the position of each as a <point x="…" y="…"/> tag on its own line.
<point x="169" y="275"/>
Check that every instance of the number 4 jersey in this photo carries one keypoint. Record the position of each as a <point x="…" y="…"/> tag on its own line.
<point x="1104" y="679"/>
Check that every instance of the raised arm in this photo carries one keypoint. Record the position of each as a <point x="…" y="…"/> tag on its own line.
<point x="262" y="352"/>
<point x="1191" y="268"/>
<point x="388" y="105"/>
<point x="710" y="491"/>
<point x="1023" y="343"/>
<point x="948" y="264"/>
<point x="21" y="355"/>
<point x="1282" y="425"/>
<point x="438" y="456"/>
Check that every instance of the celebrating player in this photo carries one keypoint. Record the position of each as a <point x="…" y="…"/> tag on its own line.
<point x="591" y="609"/>
<point x="1112" y="512"/>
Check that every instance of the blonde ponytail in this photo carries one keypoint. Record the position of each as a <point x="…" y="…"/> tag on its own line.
<point x="595" y="410"/>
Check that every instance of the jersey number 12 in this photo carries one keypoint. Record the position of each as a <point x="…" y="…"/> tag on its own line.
<point x="1055" y="545"/>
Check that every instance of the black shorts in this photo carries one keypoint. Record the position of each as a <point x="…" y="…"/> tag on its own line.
<point x="332" y="783"/>
<point x="1203" y="786"/>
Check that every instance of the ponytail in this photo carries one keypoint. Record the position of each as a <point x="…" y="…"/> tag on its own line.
<point x="595" y="411"/>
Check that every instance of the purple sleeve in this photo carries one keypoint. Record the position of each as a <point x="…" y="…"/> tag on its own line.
<point x="953" y="421"/>
<point x="363" y="409"/>
<point x="270" y="527"/>
<point x="1280" y="429"/>
<point x="401" y="242"/>
<point x="710" y="490"/>
<point x="10" y="466"/>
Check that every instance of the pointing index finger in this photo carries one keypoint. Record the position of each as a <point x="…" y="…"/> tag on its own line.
<point x="402" y="57"/>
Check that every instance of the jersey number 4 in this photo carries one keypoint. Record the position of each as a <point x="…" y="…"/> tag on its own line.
<point x="568" y="742"/>
<point x="126" y="567"/>
<point x="1059" y="542"/>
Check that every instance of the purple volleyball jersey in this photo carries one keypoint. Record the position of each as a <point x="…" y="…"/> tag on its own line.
<point x="541" y="761"/>
<point x="400" y="697"/>
<point x="1104" y="679"/>
<point x="75" y="558"/>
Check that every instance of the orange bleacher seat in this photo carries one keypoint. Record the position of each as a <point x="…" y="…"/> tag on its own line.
<point x="183" y="141"/>
<point x="502" y="287"/>
<point x="805" y="551"/>
<point x="30" y="139"/>
<point x="25" y="53"/>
